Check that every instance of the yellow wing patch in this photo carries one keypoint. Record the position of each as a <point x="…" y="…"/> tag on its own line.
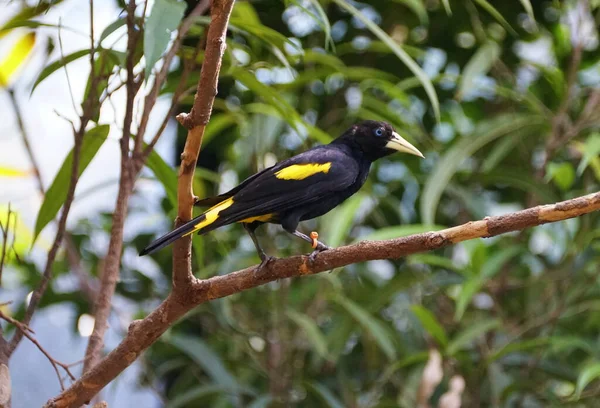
<point x="261" y="218"/>
<point x="211" y="215"/>
<point x="302" y="171"/>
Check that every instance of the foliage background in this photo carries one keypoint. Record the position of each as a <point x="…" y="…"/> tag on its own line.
<point x="516" y="316"/>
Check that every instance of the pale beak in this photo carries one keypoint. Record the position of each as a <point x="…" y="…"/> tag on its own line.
<point x="398" y="143"/>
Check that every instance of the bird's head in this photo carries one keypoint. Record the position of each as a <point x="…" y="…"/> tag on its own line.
<point x="376" y="139"/>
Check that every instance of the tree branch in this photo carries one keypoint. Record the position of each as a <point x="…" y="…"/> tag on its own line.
<point x="142" y="333"/>
<point x="196" y="122"/>
<point x="27" y="332"/>
<point x="112" y="262"/>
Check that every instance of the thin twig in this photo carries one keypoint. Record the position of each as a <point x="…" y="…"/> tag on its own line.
<point x="28" y="332"/>
<point x="110" y="270"/>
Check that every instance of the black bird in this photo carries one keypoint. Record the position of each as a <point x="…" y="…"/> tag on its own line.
<point x="299" y="188"/>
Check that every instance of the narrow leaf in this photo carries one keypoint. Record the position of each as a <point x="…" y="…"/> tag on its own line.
<point x="341" y="220"/>
<point x="51" y="68"/>
<point x="57" y="192"/>
<point x="418" y="7"/>
<point x="111" y="28"/>
<point x="165" y="174"/>
<point x="469" y="289"/>
<point x="329" y="399"/>
<point x="478" y="65"/>
<point x="15" y="58"/>
<point x="487" y="132"/>
<point x="496" y="14"/>
<point x="400" y="53"/>
<point x="467" y="336"/>
<point x="371" y="325"/>
<point x="527" y="6"/>
<point x="430" y="323"/>
<point x="206" y="358"/>
<point x="588" y="375"/>
<point x="311" y="331"/>
<point x="164" y="18"/>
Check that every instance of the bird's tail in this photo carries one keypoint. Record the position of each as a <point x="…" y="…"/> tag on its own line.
<point x="203" y="223"/>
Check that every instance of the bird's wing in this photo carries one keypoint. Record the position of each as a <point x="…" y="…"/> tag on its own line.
<point x="300" y="180"/>
<point x="210" y="201"/>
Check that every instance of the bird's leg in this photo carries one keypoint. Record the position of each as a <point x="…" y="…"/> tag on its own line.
<point x="314" y="242"/>
<point x="264" y="258"/>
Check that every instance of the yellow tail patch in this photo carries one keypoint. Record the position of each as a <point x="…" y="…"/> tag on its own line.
<point x="261" y="218"/>
<point x="302" y="171"/>
<point x="211" y="215"/>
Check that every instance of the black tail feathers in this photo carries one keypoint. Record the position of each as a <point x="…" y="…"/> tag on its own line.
<point x="172" y="236"/>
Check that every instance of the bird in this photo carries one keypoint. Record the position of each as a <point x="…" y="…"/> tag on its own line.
<point x="296" y="189"/>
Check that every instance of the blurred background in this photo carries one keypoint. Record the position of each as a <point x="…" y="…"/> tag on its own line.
<point x="514" y="318"/>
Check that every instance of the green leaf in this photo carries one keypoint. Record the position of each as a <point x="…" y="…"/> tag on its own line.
<point x="496" y="14"/>
<point x="325" y="395"/>
<point x="321" y="19"/>
<point x="400" y="53"/>
<point x="206" y="358"/>
<point x="279" y="104"/>
<point x="590" y="152"/>
<point x="485" y="133"/>
<point x="53" y="67"/>
<point x="311" y="331"/>
<point x="57" y="192"/>
<point x="563" y="175"/>
<point x="446" y="4"/>
<point x="341" y="219"/>
<point x="263" y="401"/>
<point x="467" y="336"/>
<point x="111" y="28"/>
<point x="193" y="394"/>
<point x="589" y="374"/>
<point x="27" y="13"/>
<point x="468" y="290"/>
<point x="164" y="18"/>
<point x="527" y="6"/>
<point x="369" y="323"/>
<point x="497" y="260"/>
<point x="430" y="323"/>
<point x="165" y="174"/>
<point x="218" y="123"/>
<point x="479" y="64"/>
<point x="418" y="7"/>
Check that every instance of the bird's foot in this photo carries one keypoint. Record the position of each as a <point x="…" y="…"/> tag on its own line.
<point x="317" y="245"/>
<point x="265" y="260"/>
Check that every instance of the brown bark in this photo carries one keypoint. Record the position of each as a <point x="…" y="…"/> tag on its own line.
<point x="196" y="122"/>
<point x="112" y="262"/>
<point x="143" y="333"/>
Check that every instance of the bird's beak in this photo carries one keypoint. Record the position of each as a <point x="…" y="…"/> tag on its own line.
<point x="398" y="143"/>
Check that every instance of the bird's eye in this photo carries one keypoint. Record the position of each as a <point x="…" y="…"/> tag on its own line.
<point x="379" y="132"/>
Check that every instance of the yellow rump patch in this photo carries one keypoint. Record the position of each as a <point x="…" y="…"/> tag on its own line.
<point x="261" y="218"/>
<point x="302" y="171"/>
<point x="211" y="215"/>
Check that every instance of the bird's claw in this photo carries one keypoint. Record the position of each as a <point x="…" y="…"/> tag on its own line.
<point x="265" y="260"/>
<point x="320" y="247"/>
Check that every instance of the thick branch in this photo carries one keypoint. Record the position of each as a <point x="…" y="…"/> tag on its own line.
<point x="142" y="333"/>
<point x="196" y="122"/>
